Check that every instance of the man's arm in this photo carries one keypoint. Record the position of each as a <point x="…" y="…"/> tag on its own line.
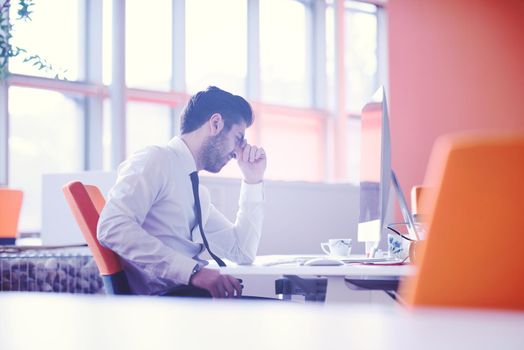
<point x="218" y="285"/>
<point x="252" y="162"/>
<point x="139" y="182"/>
<point x="239" y="241"/>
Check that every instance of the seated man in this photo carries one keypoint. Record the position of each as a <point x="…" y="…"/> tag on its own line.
<point x="157" y="222"/>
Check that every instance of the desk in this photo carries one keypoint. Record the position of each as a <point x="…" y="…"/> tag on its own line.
<point x="51" y="321"/>
<point x="337" y="289"/>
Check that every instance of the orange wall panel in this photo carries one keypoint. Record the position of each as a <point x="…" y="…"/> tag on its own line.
<point x="454" y="65"/>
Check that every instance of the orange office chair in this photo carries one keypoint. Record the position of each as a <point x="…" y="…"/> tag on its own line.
<point x="10" y="206"/>
<point x="472" y="256"/>
<point x="86" y="203"/>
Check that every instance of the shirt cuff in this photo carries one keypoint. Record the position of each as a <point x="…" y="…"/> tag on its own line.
<point x="252" y="192"/>
<point x="180" y="269"/>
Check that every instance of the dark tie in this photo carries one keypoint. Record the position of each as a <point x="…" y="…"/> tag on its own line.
<point x="198" y="215"/>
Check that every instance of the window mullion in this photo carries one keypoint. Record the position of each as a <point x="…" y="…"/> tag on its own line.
<point x="382" y="48"/>
<point x="178" y="71"/>
<point x="4" y="121"/>
<point x="4" y="133"/>
<point x="253" y="61"/>
<point x="318" y="54"/>
<point x="117" y="90"/>
<point x="318" y="78"/>
<point x="339" y="125"/>
<point x="93" y="111"/>
<point x="253" y="50"/>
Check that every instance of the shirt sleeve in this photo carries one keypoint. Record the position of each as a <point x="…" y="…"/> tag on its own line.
<point x="238" y="241"/>
<point x="140" y="182"/>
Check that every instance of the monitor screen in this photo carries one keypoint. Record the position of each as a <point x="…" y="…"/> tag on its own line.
<point x="375" y="170"/>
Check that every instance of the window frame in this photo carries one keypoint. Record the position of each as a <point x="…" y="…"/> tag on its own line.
<point x="334" y="137"/>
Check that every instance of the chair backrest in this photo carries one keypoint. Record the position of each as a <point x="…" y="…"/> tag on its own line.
<point x="86" y="203"/>
<point x="10" y="206"/>
<point x="472" y="256"/>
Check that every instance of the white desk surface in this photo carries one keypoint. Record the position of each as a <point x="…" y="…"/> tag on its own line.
<point x="337" y="289"/>
<point x="52" y="321"/>
<point x="294" y="268"/>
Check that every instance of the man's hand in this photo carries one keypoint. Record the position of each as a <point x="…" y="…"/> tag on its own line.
<point x="219" y="286"/>
<point x="252" y="162"/>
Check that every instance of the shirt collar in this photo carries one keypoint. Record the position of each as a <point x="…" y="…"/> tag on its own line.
<point x="178" y="145"/>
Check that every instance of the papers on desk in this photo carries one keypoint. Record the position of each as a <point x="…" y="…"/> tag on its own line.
<point x="363" y="259"/>
<point x="272" y="260"/>
<point x="280" y="260"/>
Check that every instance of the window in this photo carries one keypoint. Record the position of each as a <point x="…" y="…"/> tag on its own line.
<point x="361" y="47"/>
<point x="216" y="45"/>
<point x="56" y="41"/>
<point x="283" y="55"/>
<point x="107" y="41"/>
<point x="353" y="154"/>
<point x="148" y="44"/>
<point x="359" y="75"/>
<point x="45" y="136"/>
<point x="294" y="146"/>
<point x="360" y="52"/>
<point x="330" y="56"/>
<point x="106" y="136"/>
<point x="62" y="125"/>
<point x="147" y="124"/>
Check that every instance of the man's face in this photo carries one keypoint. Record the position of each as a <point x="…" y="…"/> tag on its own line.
<point x="218" y="150"/>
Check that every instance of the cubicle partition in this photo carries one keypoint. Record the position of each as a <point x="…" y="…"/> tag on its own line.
<point x="298" y="215"/>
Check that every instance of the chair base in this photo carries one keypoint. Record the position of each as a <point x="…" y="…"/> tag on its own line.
<point x="116" y="284"/>
<point x="7" y="240"/>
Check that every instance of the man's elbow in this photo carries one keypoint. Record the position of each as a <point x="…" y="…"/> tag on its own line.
<point x="103" y="232"/>
<point x="247" y="258"/>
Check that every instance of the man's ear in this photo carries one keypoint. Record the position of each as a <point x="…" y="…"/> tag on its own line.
<point x="216" y="124"/>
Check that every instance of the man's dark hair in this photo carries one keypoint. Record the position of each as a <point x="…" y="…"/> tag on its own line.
<point x="234" y="109"/>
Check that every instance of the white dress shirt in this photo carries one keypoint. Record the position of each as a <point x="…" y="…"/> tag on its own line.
<point x="149" y="220"/>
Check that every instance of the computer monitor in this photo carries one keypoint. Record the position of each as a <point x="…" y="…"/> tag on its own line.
<point x="375" y="171"/>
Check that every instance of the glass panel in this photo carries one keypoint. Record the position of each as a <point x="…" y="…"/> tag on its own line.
<point x="294" y="145"/>
<point x="353" y="151"/>
<point x="330" y="57"/>
<point x="216" y="45"/>
<point x="54" y="34"/>
<point x="106" y="136"/>
<point x="283" y="55"/>
<point x="107" y="41"/>
<point x="46" y="136"/>
<point x="147" y="124"/>
<point x="361" y="58"/>
<point x="148" y="44"/>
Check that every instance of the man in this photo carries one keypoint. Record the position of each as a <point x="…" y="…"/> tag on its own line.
<point x="151" y="218"/>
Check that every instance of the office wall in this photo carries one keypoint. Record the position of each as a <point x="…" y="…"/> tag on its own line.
<point x="454" y="65"/>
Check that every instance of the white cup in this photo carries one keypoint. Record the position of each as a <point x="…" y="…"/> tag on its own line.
<point x="338" y="247"/>
<point x="398" y="247"/>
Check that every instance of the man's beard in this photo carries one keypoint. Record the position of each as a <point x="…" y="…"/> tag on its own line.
<point x="212" y="155"/>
